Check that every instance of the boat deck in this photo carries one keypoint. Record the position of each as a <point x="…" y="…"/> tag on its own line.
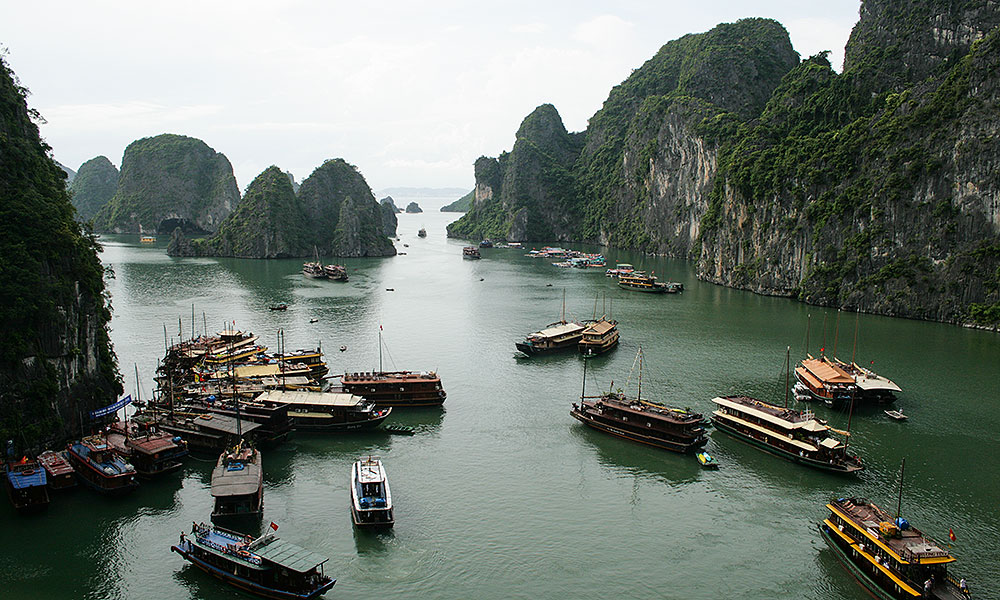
<point x="910" y="545"/>
<point x="55" y="464"/>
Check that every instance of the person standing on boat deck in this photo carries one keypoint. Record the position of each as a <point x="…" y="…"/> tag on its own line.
<point x="964" y="587"/>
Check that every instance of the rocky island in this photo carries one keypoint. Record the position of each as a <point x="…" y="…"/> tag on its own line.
<point x="94" y="185"/>
<point x="413" y="208"/>
<point x="170" y="181"/>
<point x="334" y="213"/>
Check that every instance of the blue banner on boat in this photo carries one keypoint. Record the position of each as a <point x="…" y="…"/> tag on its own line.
<point x="107" y="410"/>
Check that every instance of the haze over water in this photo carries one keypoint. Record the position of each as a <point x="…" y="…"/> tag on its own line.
<point x="502" y="494"/>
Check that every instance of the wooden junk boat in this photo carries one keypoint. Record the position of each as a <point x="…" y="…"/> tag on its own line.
<point x="152" y="452"/>
<point x="598" y="337"/>
<point x="556" y="336"/>
<point x="823" y="380"/>
<point x="396" y="388"/>
<point x="59" y="472"/>
<point x="640" y="282"/>
<point x="371" y="500"/>
<point x="100" y="467"/>
<point x="470" y="252"/>
<point x="871" y="386"/>
<point x="640" y="420"/>
<point x="267" y="566"/>
<point x="336" y="272"/>
<point x="327" y="411"/>
<point x="238" y="485"/>
<point x="792" y="434"/>
<point x="27" y="485"/>
<point x="886" y="554"/>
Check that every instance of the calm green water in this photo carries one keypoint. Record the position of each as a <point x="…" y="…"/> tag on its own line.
<point x="502" y="494"/>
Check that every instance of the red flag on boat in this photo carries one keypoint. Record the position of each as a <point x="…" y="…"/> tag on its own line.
<point x="951" y="534"/>
<point x="380" y="328"/>
<point x="822" y="349"/>
<point x="274" y="526"/>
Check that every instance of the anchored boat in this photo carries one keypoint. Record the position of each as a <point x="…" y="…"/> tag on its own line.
<point x="26" y="484"/>
<point x="327" y="411"/>
<point x="640" y="420"/>
<point x="267" y="566"/>
<point x="58" y="471"/>
<point x="100" y="467"/>
<point x="238" y="484"/>
<point x="371" y="501"/>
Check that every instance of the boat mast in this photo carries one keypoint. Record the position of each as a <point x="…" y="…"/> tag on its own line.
<point x="899" y="502"/>
<point x="380" y="348"/>
<point x="788" y="355"/>
<point x="583" y="390"/>
<point x="808" y="322"/>
<point x="563" y="314"/>
<point x="639" y="391"/>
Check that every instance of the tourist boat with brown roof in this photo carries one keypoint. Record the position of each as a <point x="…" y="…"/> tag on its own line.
<point x="640" y="420"/>
<point x="267" y="566"/>
<point x="598" y="337"/>
<point x="825" y="381"/>
<point x="394" y="388"/>
<point x="560" y="335"/>
<point x="471" y="252"/>
<point x="336" y="272"/>
<point x="890" y="557"/>
<point x="100" y="468"/>
<point x="792" y="434"/>
<point x="638" y="281"/>
<point x="152" y="452"/>
<point x="59" y="472"/>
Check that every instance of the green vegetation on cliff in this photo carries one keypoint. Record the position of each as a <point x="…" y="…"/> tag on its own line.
<point x="334" y="212"/>
<point x="56" y="358"/>
<point x="463" y="204"/>
<point x="170" y="181"/>
<point x="268" y="223"/>
<point x="93" y="187"/>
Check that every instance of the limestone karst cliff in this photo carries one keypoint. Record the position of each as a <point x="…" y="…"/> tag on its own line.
<point x="334" y="213"/>
<point x="170" y="181"/>
<point x="56" y="361"/>
<point x="389" y="219"/>
<point x="94" y="185"/>
<point x="874" y="189"/>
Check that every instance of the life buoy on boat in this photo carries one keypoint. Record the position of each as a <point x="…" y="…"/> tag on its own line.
<point x="27" y="472"/>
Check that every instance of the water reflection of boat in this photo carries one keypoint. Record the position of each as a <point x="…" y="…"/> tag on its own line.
<point x="267" y="566"/>
<point x="371" y="500"/>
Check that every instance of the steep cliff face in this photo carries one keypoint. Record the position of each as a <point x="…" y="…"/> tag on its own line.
<point x="528" y="194"/>
<point x="170" y="181"/>
<point x="322" y="195"/>
<point x="888" y="203"/>
<point x="93" y="187"/>
<point x="56" y="361"/>
<point x="268" y="223"/>
<point x="389" y="220"/>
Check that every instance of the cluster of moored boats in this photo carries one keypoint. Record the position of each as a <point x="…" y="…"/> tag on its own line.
<point x="227" y="396"/>
<point x="889" y="556"/>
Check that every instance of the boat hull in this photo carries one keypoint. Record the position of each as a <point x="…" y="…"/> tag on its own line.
<point x="331" y="425"/>
<point x="371" y="519"/>
<point x="861" y="574"/>
<point x="818" y="464"/>
<point x="673" y="446"/>
<point x="246" y="584"/>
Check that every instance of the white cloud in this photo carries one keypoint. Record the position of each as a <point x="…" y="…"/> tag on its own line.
<point x="530" y="28"/>
<point x="605" y="30"/>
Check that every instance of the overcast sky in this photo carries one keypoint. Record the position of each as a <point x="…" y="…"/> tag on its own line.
<point x="412" y="92"/>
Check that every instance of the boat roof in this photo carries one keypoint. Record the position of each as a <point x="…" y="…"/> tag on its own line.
<point x="288" y="555"/>
<point x="307" y="398"/>
<point x="26" y="477"/>
<point x="600" y="327"/>
<point x="55" y="463"/>
<point x="797" y="443"/>
<point x="560" y="329"/>
<point x="241" y="482"/>
<point x="869" y="383"/>
<point x="826" y="372"/>
<point x="910" y="546"/>
<point x="224" y="424"/>
<point x="152" y="443"/>
<point x="370" y="470"/>
<point x="785" y="418"/>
